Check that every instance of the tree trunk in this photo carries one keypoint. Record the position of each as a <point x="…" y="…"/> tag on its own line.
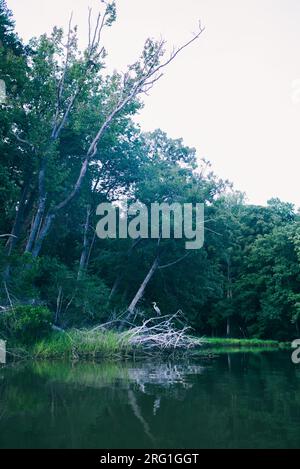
<point x="42" y="234"/>
<point x="12" y="241"/>
<point x="229" y="293"/>
<point x="115" y="287"/>
<point x="140" y="293"/>
<point x="152" y="72"/>
<point x="228" y="327"/>
<point x="85" y="246"/>
<point x="17" y="227"/>
<point x="40" y="211"/>
<point x="37" y="237"/>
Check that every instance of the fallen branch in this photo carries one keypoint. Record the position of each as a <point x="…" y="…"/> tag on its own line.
<point x="155" y="333"/>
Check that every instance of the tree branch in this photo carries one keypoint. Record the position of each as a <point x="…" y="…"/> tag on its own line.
<point x="174" y="263"/>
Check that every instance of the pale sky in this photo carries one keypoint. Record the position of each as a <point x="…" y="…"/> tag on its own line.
<point x="234" y="95"/>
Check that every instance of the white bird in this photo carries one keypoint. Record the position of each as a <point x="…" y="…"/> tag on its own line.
<point x="156" y="308"/>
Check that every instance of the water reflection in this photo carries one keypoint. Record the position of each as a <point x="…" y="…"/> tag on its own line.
<point x="245" y="400"/>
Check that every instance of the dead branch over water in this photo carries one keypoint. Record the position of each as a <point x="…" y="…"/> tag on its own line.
<point x="164" y="333"/>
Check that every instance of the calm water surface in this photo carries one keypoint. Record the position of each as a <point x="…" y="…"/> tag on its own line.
<point x="234" y="401"/>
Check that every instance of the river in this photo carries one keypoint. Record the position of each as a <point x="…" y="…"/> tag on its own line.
<point x="236" y="400"/>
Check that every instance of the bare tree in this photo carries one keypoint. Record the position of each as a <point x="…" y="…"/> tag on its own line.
<point x="154" y="267"/>
<point x="140" y="293"/>
<point x="63" y="110"/>
<point x="85" y="247"/>
<point x="138" y="80"/>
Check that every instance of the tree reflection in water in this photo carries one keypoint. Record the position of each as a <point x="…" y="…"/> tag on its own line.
<point x="246" y="400"/>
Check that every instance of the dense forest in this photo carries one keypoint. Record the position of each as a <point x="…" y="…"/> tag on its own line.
<point x="69" y="141"/>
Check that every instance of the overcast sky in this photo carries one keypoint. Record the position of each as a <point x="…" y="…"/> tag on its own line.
<point x="234" y="95"/>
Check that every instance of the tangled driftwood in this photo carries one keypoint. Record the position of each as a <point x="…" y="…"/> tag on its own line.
<point x="160" y="333"/>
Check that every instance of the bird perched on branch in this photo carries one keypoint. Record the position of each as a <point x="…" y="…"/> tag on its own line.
<point x="156" y="309"/>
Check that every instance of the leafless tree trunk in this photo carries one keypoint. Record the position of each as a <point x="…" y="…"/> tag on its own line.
<point x="132" y="88"/>
<point x="155" y="266"/>
<point x="42" y="234"/>
<point x="18" y="219"/>
<point x="41" y="209"/>
<point x="115" y="286"/>
<point x="140" y="293"/>
<point x="40" y="228"/>
<point x="85" y="247"/>
<point x="24" y="206"/>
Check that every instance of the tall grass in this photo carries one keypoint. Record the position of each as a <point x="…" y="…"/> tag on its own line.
<point x="107" y="344"/>
<point x="82" y="345"/>
<point x="222" y="342"/>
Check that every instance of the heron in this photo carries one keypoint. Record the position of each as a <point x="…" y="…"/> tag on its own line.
<point x="156" y="308"/>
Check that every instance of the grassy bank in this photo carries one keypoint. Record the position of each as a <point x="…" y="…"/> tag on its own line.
<point x="155" y="336"/>
<point x="100" y="345"/>
<point x="245" y="343"/>
<point x="83" y="346"/>
<point x="110" y="345"/>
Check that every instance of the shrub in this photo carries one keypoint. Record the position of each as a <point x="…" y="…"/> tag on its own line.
<point x="77" y="303"/>
<point x="26" y="324"/>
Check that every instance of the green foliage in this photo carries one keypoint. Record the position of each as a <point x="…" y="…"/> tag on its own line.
<point x="243" y="343"/>
<point x="75" y="301"/>
<point x="83" y="345"/>
<point x="26" y="324"/>
<point x="245" y="280"/>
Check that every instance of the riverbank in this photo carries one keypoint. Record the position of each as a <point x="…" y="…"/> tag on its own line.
<point x="96" y="345"/>
<point x="245" y="343"/>
<point x="112" y="345"/>
<point x="219" y="346"/>
<point x="78" y="345"/>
